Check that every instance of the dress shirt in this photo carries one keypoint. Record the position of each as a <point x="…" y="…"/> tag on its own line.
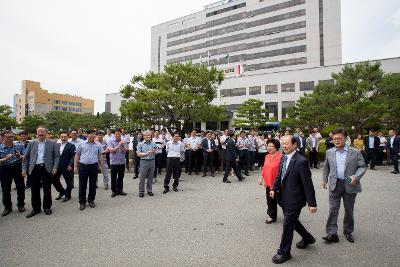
<point x="160" y="141"/>
<point x="7" y="150"/>
<point x="253" y="142"/>
<point x="371" y="142"/>
<point x="108" y="137"/>
<point x="261" y="146"/>
<point x="144" y="147"/>
<point x="174" y="149"/>
<point x="314" y="142"/>
<point x="301" y="141"/>
<point x="118" y="157"/>
<point x="89" y="152"/>
<point x="41" y="149"/>
<point x="391" y="141"/>
<point x="223" y="139"/>
<point x="75" y="142"/>
<point x="383" y="141"/>
<point x="341" y="155"/>
<point x="62" y="146"/>
<point x="243" y="143"/>
<point x="288" y="158"/>
<point x="194" y="142"/>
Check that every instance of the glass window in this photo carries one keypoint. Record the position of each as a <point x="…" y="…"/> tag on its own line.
<point x="307" y="86"/>
<point x="71" y="103"/>
<point x="272" y="109"/>
<point x="233" y="92"/>
<point x="330" y="81"/>
<point x="57" y="102"/>
<point x="64" y="108"/>
<point x="285" y="106"/>
<point x="271" y="89"/>
<point x="65" y="103"/>
<point x="255" y="90"/>
<point x="287" y="87"/>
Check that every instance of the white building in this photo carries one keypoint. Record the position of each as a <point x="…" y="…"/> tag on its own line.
<point x="273" y="50"/>
<point x="113" y="103"/>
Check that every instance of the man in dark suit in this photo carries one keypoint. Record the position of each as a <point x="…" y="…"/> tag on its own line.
<point x="393" y="147"/>
<point x="301" y="143"/>
<point x="208" y="146"/>
<point x="294" y="188"/>
<point x="41" y="162"/>
<point x="65" y="168"/>
<point x="372" y="143"/>
<point x="230" y="157"/>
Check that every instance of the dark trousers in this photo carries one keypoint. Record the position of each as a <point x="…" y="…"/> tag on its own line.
<point x="261" y="159"/>
<point x="272" y="205"/>
<point x="108" y="160"/>
<point x="159" y="164"/>
<point x="137" y="165"/>
<point x="41" y="178"/>
<point x="193" y="161"/>
<point x="370" y="157"/>
<point x="313" y="157"/>
<point x="28" y="180"/>
<point x="302" y="151"/>
<point x="127" y="159"/>
<point x="187" y="160"/>
<point x="117" y="177"/>
<point x="231" y="164"/>
<point x="252" y="159"/>
<point x="217" y="160"/>
<point x="394" y="157"/>
<point x="173" y="169"/>
<point x="87" y="173"/>
<point x="380" y="155"/>
<point x="199" y="155"/>
<point x="208" y="162"/>
<point x="244" y="161"/>
<point x="68" y="176"/>
<point x="291" y="223"/>
<point x="7" y="174"/>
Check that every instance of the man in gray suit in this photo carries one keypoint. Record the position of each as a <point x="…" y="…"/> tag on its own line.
<point x="344" y="167"/>
<point x="41" y="162"/>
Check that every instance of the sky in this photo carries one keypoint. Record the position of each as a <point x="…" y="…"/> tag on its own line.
<point x="93" y="47"/>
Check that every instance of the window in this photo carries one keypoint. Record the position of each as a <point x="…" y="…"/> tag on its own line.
<point x="275" y="64"/>
<point x="56" y="108"/>
<point x="71" y="103"/>
<point x="331" y="81"/>
<point x="78" y="110"/>
<point x="108" y="107"/>
<point x="255" y="90"/>
<point x="64" y="103"/>
<point x="216" y="12"/>
<point x="272" y="109"/>
<point x="72" y="109"/>
<point x="57" y="102"/>
<point x="64" y="108"/>
<point x="78" y="104"/>
<point x="271" y="89"/>
<point x="211" y="125"/>
<point x="287" y="87"/>
<point x="285" y="106"/>
<point x="306" y="86"/>
<point x="233" y="92"/>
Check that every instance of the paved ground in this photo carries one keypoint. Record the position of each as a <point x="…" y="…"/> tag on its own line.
<point x="207" y="223"/>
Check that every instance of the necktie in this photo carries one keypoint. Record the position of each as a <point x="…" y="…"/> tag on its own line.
<point x="284" y="166"/>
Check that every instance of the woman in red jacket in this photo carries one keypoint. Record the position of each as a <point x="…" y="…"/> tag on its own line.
<point x="269" y="173"/>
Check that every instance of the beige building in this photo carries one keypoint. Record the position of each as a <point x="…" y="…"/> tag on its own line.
<point x="34" y="100"/>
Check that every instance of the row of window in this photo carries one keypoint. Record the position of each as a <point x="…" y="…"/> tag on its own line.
<point x="65" y="103"/>
<point x="239" y="47"/>
<point x="271" y="89"/>
<point x="243" y="26"/>
<point x="220" y="11"/>
<point x="57" y="108"/>
<point x="236" y="17"/>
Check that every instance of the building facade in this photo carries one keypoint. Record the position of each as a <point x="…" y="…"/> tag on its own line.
<point x="34" y="100"/>
<point x="113" y="103"/>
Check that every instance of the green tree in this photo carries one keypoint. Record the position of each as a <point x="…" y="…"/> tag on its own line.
<point x="352" y="101"/>
<point x="86" y="121"/>
<point x="250" y="114"/>
<point x="59" y="120"/>
<point x="31" y="122"/>
<point x="390" y="94"/>
<point x="181" y="93"/>
<point x="5" y="120"/>
<point x="109" y="120"/>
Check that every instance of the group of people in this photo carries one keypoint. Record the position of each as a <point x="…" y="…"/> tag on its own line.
<point x="287" y="179"/>
<point x="285" y="172"/>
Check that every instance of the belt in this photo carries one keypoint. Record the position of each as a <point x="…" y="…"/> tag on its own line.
<point x="147" y="159"/>
<point x="88" y="164"/>
<point x="174" y="158"/>
<point x="40" y="165"/>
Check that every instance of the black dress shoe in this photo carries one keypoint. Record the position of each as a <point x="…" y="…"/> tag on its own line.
<point x="21" y="209"/>
<point x="165" y="191"/>
<point x="304" y="243"/>
<point x="82" y="207"/>
<point x="175" y="189"/>
<point x="66" y="199"/>
<point x="349" y="237"/>
<point x="48" y="211"/>
<point x="32" y="213"/>
<point x="395" y="172"/>
<point x="270" y="220"/>
<point x="27" y="186"/>
<point x="113" y="194"/>
<point x="227" y="182"/>
<point x="331" y="238"/>
<point x="141" y="195"/>
<point x="278" y="259"/>
<point x="92" y="204"/>
<point x="150" y="194"/>
<point x="204" y="175"/>
<point x="196" y="173"/>
<point x="189" y="173"/>
<point x="121" y="193"/>
<point x="135" y="177"/>
<point x="247" y="174"/>
<point x="60" y="196"/>
<point x="6" y="212"/>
